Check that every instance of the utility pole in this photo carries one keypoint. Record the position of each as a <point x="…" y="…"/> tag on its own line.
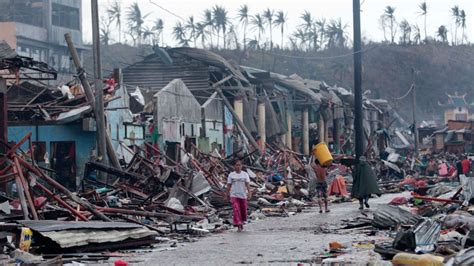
<point x="413" y="94"/>
<point x="359" y="130"/>
<point x="100" y="119"/>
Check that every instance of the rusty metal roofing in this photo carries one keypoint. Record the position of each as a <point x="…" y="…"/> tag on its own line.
<point x="210" y="58"/>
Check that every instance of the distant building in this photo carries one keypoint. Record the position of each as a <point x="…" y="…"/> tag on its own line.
<point x="36" y="28"/>
<point x="456" y="108"/>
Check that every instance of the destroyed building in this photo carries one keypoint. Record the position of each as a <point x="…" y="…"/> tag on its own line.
<point x="36" y="28"/>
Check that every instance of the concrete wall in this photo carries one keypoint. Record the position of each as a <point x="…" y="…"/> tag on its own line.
<point x="8" y="33"/>
<point x="85" y="141"/>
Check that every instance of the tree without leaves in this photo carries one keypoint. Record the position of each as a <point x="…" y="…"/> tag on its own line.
<point x="243" y="15"/>
<point x="268" y="15"/>
<point x="104" y="30"/>
<point x="424" y="12"/>
<point x="405" y="27"/>
<point x="280" y="21"/>
<point x="115" y="14"/>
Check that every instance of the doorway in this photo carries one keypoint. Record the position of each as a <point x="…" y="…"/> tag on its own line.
<point x="63" y="161"/>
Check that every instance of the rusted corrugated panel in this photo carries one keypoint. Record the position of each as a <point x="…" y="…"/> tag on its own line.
<point x="153" y="74"/>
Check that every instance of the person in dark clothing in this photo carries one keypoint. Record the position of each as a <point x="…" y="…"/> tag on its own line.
<point x="365" y="183"/>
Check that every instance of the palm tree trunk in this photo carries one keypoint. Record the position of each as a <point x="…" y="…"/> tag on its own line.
<point x="456" y="35"/>
<point x="282" y="30"/>
<point x="462" y="36"/>
<point x="224" y="38"/>
<point x="120" y="32"/>
<point x="391" y="30"/>
<point x="245" y="36"/>
<point x="426" y="35"/>
<point x="271" y="38"/>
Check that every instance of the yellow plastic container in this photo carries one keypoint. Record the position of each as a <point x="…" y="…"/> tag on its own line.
<point x="417" y="260"/>
<point x="322" y="153"/>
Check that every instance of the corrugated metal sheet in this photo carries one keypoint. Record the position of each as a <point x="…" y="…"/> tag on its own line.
<point x="388" y="216"/>
<point x="83" y="237"/>
<point x="152" y="73"/>
<point x="53" y="225"/>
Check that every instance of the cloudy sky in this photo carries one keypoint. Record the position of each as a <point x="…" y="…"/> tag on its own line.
<point x="438" y="13"/>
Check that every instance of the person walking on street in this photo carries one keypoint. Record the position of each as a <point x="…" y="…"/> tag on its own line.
<point x="238" y="191"/>
<point x="365" y="183"/>
<point x="321" y="186"/>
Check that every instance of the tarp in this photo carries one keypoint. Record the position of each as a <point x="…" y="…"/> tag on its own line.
<point x="365" y="181"/>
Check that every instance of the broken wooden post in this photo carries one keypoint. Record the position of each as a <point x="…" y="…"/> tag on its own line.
<point x="289" y="130"/>
<point x="305" y="131"/>
<point x="64" y="190"/>
<point x="21" y="193"/>
<point x="239" y="121"/>
<point x="25" y="186"/>
<point x="90" y="98"/>
<point x="261" y="123"/>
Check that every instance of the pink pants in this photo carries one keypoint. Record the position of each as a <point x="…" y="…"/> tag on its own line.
<point x="239" y="207"/>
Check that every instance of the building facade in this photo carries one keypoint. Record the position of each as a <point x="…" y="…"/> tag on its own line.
<point x="36" y="28"/>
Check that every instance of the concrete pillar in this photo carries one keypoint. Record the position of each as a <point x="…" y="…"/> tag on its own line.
<point x="305" y="132"/>
<point x="261" y="123"/>
<point x="326" y="132"/>
<point x="288" y="133"/>
<point x="239" y="107"/>
<point x="321" y="128"/>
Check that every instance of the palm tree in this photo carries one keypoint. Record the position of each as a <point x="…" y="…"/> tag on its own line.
<point x="191" y="26"/>
<point x="233" y="38"/>
<point x="243" y="14"/>
<point x="221" y="21"/>
<point x="462" y="22"/>
<point x="442" y="33"/>
<point x="115" y="14"/>
<point x="321" y="24"/>
<point x="416" y="34"/>
<point x="201" y="33"/>
<point x="406" y="32"/>
<point x="147" y="33"/>
<point x="280" y="21"/>
<point x="158" y="28"/>
<point x="104" y="30"/>
<point x="455" y="14"/>
<point x="258" y="24"/>
<point x="179" y="33"/>
<point x="308" y="23"/>
<point x="423" y="12"/>
<point x="208" y="23"/>
<point x="268" y="15"/>
<point x="135" y="22"/>
<point x="302" y="37"/>
<point x="389" y="13"/>
<point x="336" y="33"/>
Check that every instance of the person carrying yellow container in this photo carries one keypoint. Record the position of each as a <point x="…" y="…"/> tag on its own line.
<point x="323" y="158"/>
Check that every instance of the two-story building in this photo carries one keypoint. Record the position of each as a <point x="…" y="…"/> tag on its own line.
<point x="36" y="28"/>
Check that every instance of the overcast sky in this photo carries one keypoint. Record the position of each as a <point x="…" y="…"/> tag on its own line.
<point x="438" y="13"/>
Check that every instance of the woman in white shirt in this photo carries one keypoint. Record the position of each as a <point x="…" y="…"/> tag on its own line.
<point x="238" y="190"/>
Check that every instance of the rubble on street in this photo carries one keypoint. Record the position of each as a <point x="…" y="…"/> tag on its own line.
<point x="172" y="141"/>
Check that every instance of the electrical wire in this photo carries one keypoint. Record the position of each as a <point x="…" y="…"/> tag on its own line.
<point x="405" y="95"/>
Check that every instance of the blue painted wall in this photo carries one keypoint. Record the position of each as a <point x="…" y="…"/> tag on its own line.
<point x="85" y="140"/>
